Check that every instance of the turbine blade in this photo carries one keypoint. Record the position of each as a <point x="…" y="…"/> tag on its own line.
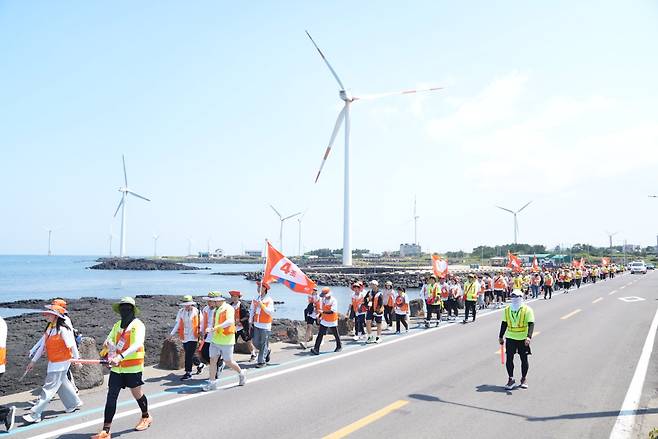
<point x="277" y="212"/>
<point x="291" y="216"/>
<point x="137" y="195"/>
<point x="507" y="210"/>
<point x="526" y="205"/>
<point x="339" y="122"/>
<point x="333" y="72"/>
<point x="117" y="211"/>
<point x="397" y="93"/>
<point x="125" y="174"/>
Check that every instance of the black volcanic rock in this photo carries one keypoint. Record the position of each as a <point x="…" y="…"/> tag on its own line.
<point x="140" y="264"/>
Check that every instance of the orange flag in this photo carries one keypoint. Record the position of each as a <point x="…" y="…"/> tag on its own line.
<point x="535" y="265"/>
<point x="280" y="269"/>
<point x="439" y="265"/>
<point x="605" y="261"/>
<point x="514" y="263"/>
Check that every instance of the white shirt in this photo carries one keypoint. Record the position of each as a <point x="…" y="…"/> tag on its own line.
<point x="333" y="306"/>
<point x="204" y="324"/>
<point x="69" y="341"/>
<point x="256" y="309"/>
<point x="3" y="339"/>
<point x="186" y="317"/>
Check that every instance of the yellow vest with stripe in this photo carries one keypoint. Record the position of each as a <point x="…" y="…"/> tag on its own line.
<point x="131" y="363"/>
<point x="224" y="336"/>
<point x="517" y="323"/>
<point x="471" y="291"/>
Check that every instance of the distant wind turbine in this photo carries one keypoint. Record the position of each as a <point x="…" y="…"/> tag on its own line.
<point x="50" y="238"/>
<point x="155" y="245"/>
<point x="344" y="116"/>
<point x="610" y="235"/>
<point x="516" y="223"/>
<point x="416" y="217"/>
<point x="122" y="205"/>
<point x="299" y="238"/>
<point x="282" y="219"/>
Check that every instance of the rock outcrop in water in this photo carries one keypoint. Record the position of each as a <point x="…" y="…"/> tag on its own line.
<point x="140" y="264"/>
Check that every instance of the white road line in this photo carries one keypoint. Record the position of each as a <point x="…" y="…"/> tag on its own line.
<point x="612" y="292"/>
<point x="625" y="420"/>
<point x="597" y="300"/>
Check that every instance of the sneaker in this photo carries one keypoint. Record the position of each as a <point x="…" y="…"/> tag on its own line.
<point x="259" y="365"/>
<point x="524" y="383"/>
<point x="370" y="339"/>
<point x="338" y="349"/>
<point x="220" y="369"/>
<point x="243" y="379"/>
<point x="510" y="384"/>
<point x="102" y="435"/>
<point x="427" y="324"/>
<point x="72" y="409"/>
<point x="397" y="332"/>
<point x="31" y="419"/>
<point x="144" y="423"/>
<point x="199" y="368"/>
<point x="302" y="345"/>
<point x="187" y="376"/>
<point x="211" y="386"/>
<point x="314" y="352"/>
<point x="437" y="325"/>
<point x="464" y="321"/>
<point x="10" y="419"/>
<point x="355" y="338"/>
<point x="252" y="357"/>
<point x="267" y="357"/>
<point x="378" y="340"/>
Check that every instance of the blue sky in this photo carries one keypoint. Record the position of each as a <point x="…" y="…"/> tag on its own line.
<point x="224" y="109"/>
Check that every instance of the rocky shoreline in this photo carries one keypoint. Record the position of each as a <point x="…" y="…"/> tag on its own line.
<point x="94" y="317"/>
<point x="141" y="264"/>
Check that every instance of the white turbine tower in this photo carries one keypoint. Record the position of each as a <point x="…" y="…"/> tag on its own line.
<point x="50" y="238"/>
<point x="299" y="237"/>
<point x="282" y="219"/>
<point x="155" y="245"/>
<point x="516" y="223"/>
<point x="416" y="217"/>
<point x="610" y="235"/>
<point x="344" y="116"/>
<point x="122" y="205"/>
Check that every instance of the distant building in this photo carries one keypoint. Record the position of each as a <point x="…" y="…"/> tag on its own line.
<point x="498" y="261"/>
<point x="217" y="253"/>
<point x="253" y="253"/>
<point x="409" y="250"/>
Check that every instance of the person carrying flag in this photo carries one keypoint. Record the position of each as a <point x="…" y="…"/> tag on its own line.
<point x="260" y="317"/>
<point x="517" y="326"/>
<point x="328" y="321"/>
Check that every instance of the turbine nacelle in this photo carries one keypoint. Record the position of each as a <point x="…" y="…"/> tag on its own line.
<point x="346" y="95"/>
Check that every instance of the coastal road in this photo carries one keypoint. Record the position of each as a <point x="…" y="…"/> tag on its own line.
<point x="441" y="382"/>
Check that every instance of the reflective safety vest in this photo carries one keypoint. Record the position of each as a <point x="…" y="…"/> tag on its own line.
<point x="3" y="357"/>
<point x="548" y="280"/>
<point x="471" y="291"/>
<point x="377" y="305"/>
<point x="390" y="300"/>
<point x="357" y="304"/>
<point x="518" y="283"/>
<point x="261" y="316"/>
<point x="327" y="315"/>
<point x="401" y="304"/>
<point x="444" y="292"/>
<point x="433" y="294"/>
<point x="517" y="324"/>
<point x="224" y="336"/>
<point x="500" y="284"/>
<point x="56" y="349"/>
<point x="195" y="326"/>
<point x="123" y="339"/>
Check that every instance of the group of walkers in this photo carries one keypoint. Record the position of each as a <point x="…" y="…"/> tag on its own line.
<point x="208" y="335"/>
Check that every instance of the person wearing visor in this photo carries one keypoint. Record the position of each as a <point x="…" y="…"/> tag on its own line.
<point x="516" y="327"/>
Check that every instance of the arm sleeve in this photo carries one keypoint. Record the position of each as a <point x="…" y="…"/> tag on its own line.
<point x="39" y="352"/>
<point x="268" y="306"/>
<point x="503" y="328"/>
<point x="173" y="331"/>
<point x="69" y="341"/>
<point x="531" y="327"/>
<point x="36" y="346"/>
<point x="251" y="312"/>
<point x="140" y="333"/>
<point x="230" y="318"/>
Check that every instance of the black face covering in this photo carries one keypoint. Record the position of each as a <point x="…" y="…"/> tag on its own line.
<point x="127" y="312"/>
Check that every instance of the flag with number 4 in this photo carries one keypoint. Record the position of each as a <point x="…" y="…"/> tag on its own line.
<point x="279" y="268"/>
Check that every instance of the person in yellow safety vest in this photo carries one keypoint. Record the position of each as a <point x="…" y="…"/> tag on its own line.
<point x="517" y="282"/>
<point x="60" y="348"/>
<point x="401" y="310"/>
<point x="517" y="326"/>
<point x="126" y="356"/>
<point x="578" y="277"/>
<point x="471" y="291"/>
<point x="260" y="317"/>
<point x="433" y="301"/>
<point x="205" y="319"/>
<point x="223" y="341"/>
<point x="594" y="274"/>
<point x="568" y="278"/>
<point x="328" y="321"/>
<point x="187" y="329"/>
<point x="548" y="285"/>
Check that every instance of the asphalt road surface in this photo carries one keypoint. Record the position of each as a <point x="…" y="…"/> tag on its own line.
<point x="440" y="382"/>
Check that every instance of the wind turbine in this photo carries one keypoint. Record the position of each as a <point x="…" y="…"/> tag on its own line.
<point x="50" y="238"/>
<point x="189" y="246"/>
<point x="155" y="245"/>
<point x="122" y="205"/>
<point x="516" y="223"/>
<point x="610" y="235"/>
<point x="299" y="238"/>
<point x="282" y="219"/>
<point x="416" y="217"/>
<point x="344" y="116"/>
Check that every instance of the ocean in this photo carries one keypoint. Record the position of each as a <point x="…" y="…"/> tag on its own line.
<point x="45" y="277"/>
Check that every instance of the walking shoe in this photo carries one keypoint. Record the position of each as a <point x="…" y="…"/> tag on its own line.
<point x="10" y="419"/>
<point x="397" y="332"/>
<point x="302" y="345"/>
<point x="252" y="357"/>
<point x="427" y="324"/>
<point x="186" y="376"/>
<point x="267" y="357"/>
<point x="437" y="325"/>
<point x="212" y="385"/>
<point x="102" y="435"/>
<point x="74" y="408"/>
<point x="259" y="365"/>
<point x="338" y="349"/>
<point x="378" y="340"/>
<point x="199" y="368"/>
<point x="524" y="383"/>
<point x="243" y="379"/>
<point x="355" y="338"/>
<point x="510" y="384"/>
<point x="314" y="352"/>
<point x="144" y="423"/>
<point x="31" y="418"/>
<point x="464" y="321"/>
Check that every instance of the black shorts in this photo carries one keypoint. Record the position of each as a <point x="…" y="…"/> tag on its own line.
<point x="372" y="316"/>
<point x="500" y="293"/>
<point x="310" y="320"/>
<point x="517" y="346"/>
<point x="242" y="333"/>
<point x="488" y="294"/>
<point x="123" y="380"/>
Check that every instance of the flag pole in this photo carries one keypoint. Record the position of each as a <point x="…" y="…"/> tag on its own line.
<point x="260" y="289"/>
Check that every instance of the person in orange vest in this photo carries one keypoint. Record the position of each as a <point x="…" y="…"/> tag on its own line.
<point x="59" y="346"/>
<point x="388" y="296"/>
<point x="187" y="329"/>
<point x="500" y="289"/>
<point x="328" y="321"/>
<point x="125" y="344"/>
<point x="7" y="414"/>
<point x="222" y="343"/>
<point x="401" y="310"/>
<point x="548" y="285"/>
<point x="260" y="317"/>
<point x="358" y="310"/>
<point x="311" y="316"/>
<point x="242" y="322"/>
<point x="375" y="312"/>
<point x="433" y="301"/>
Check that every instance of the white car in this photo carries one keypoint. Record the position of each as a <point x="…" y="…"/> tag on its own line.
<point x="638" y="267"/>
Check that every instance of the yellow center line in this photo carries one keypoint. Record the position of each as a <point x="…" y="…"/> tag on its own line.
<point x="612" y="292"/>
<point x="534" y="334"/>
<point x="597" y="300"/>
<point x="349" y="429"/>
<point x="571" y="314"/>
